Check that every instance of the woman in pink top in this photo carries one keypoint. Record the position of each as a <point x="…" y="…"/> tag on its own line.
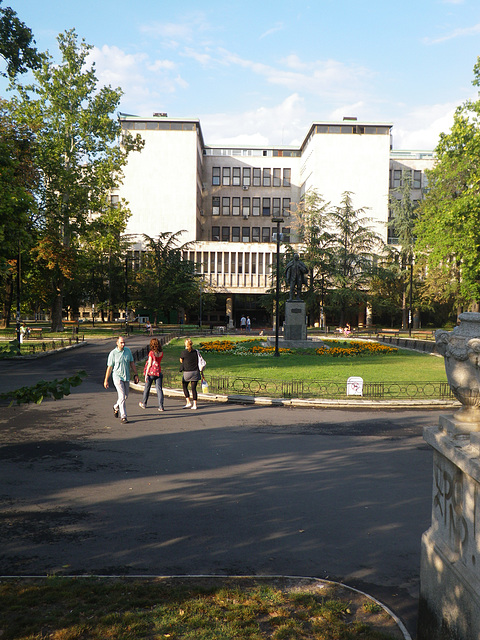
<point x="153" y="373"/>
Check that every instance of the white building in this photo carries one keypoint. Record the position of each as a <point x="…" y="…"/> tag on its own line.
<point x="226" y="199"/>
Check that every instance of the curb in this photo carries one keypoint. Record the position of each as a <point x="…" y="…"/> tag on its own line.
<point x="312" y="403"/>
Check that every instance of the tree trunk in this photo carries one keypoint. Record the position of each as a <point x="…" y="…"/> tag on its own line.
<point x="57" y="312"/>
<point x="404" y="309"/>
<point x="7" y="302"/>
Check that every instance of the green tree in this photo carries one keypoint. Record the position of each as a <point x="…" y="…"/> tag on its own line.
<point x="105" y="249"/>
<point x="402" y="223"/>
<point x="78" y="153"/>
<point x="16" y="44"/>
<point x="314" y="232"/>
<point x="166" y="281"/>
<point x="354" y="255"/>
<point x="448" y="231"/>
<point x="18" y="178"/>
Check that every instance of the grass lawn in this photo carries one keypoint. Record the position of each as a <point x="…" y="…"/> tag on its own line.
<point x="128" y="609"/>
<point x="400" y="366"/>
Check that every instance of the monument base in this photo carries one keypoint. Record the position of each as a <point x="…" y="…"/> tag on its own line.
<point x="295" y="327"/>
<point x="310" y="343"/>
<point x="449" y="607"/>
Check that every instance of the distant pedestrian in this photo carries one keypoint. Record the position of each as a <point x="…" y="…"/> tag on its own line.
<point x="249" y="324"/>
<point x="243" y="323"/>
<point x="191" y="373"/>
<point x="153" y="373"/>
<point x="119" y="363"/>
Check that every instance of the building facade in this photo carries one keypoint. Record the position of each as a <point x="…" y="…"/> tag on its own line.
<point x="227" y="199"/>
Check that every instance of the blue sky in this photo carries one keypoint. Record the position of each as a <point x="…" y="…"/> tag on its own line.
<point x="260" y="72"/>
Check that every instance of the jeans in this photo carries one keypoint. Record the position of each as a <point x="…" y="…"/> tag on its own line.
<point x="122" y="387"/>
<point x="158" y="386"/>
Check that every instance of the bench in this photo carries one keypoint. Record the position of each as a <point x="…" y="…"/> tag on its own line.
<point x="423" y="335"/>
<point x="388" y="332"/>
<point x="367" y="331"/>
<point x="35" y="333"/>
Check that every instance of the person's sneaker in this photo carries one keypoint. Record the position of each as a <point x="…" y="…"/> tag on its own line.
<point x="115" y="412"/>
<point x="161" y="409"/>
<point x="141" y="405"/>
<point x="124" y="420"/>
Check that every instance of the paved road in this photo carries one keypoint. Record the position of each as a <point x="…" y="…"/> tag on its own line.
<point x="229" y="489"/>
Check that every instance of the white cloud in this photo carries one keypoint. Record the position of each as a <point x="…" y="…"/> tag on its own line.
<point x="326" y="78"/>
<point x="278" y="27"/>
<point x="114" y="66"/>
<point x="456" y="33"/>
<point x="161" y="65"/>
<point x="205" y="59"/>
<point x="421" y="127"/>
<point x="145" y="85"/>
<point x="285" y="123"/>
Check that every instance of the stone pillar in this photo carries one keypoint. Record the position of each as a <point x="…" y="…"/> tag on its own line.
<point x="449" y="607"/>
<point x="229" y="311"/>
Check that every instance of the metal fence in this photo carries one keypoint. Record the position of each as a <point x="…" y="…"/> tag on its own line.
<point x="226" y="385"/>
<point x="39" y="347"/>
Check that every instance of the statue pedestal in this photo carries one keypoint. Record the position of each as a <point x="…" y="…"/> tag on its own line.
<point x="450" y="560"/>
<point x="295" y="327"/>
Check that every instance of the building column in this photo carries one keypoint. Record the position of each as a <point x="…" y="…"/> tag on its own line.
<point x="368" y="315"/>
<point x="361" y="315"/>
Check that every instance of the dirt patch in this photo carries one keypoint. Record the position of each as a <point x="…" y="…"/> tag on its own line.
<point x="362" y="608"/>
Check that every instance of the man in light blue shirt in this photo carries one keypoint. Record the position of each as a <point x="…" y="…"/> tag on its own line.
<point x="119" y="363"/>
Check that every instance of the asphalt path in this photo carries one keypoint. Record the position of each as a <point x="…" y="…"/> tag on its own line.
<point x="229" y="489"/>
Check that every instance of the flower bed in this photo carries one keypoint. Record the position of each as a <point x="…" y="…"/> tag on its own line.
<point x="356" y="348"/>
<point x="253" y="347"/>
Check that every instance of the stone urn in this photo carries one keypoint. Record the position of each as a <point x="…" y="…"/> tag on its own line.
<point x="461" y="351"/>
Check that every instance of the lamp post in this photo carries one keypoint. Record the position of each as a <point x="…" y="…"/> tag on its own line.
<point x="18" y="292"/>
<point x="410" y="299"/>
<point x="200" y="310"/>
<point x="278" y="221"/>
<point x="322" y="303"/>
<point x="126" y="294"/>
<point x="200" y="303"/>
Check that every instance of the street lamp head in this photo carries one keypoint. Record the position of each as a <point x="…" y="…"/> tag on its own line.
<point x="277" y="220"/>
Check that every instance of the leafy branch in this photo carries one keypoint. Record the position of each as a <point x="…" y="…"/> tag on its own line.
<point x="56" y="389"/>
<point x="10" y="349"/>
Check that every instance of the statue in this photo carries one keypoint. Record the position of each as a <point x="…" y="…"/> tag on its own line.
<point x="295" y="276"/>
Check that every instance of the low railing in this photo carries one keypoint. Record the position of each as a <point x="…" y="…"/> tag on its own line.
<point x="226" y="385"/>
<point x="50" y="345"/>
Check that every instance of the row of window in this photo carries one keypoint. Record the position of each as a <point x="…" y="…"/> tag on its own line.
<point x="233" y="262"/>
<point x="351" y="128"/>
<point x="152" y="125"/>
<point x="398" y="175"/>
<point x="265" y="153"/>
<point x="249" y="234"/>
<point x="251" y="177"/>
<point x="250" y="206"/>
